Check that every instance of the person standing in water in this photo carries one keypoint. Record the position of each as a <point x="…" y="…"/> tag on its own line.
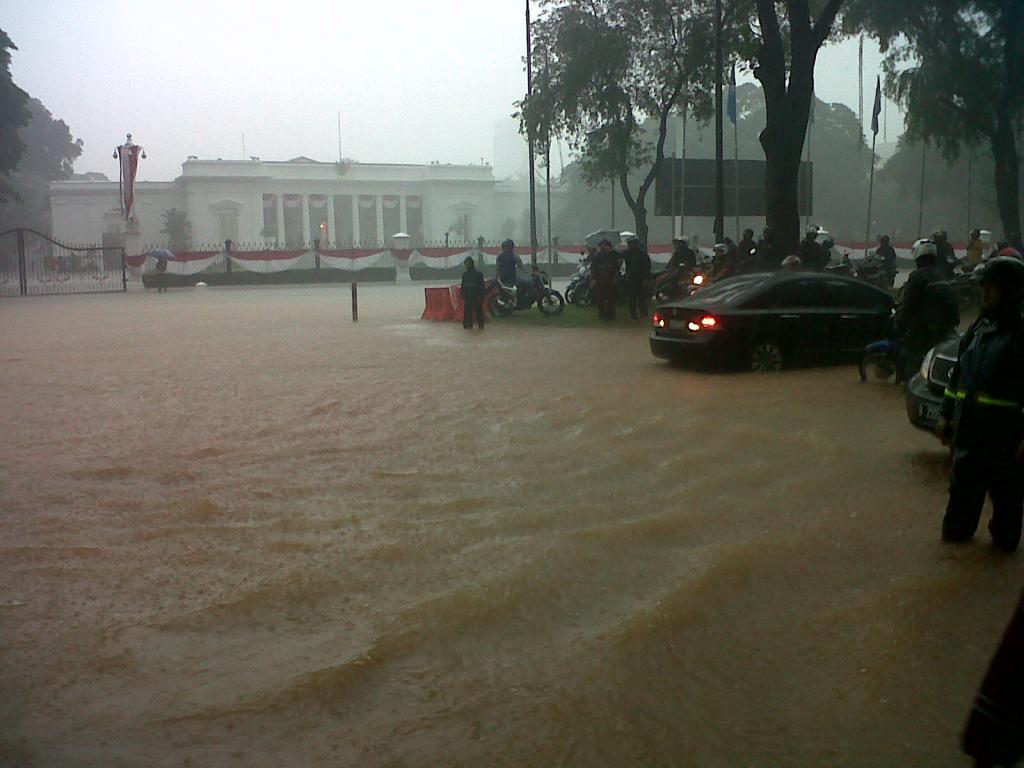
<point x="473" y="290"/>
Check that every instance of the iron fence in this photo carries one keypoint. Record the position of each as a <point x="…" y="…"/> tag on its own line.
<point x="32" y="264"/>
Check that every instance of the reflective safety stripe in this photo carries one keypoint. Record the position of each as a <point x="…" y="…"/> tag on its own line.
<point x="982" y="399"/>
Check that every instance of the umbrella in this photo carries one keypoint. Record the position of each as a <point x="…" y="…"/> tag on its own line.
<point x="162" y="253"/>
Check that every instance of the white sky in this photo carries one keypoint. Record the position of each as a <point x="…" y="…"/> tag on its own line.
<point x="415" y="80"/>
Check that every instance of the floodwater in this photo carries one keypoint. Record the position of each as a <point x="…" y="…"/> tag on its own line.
<point x="240" y="530"/>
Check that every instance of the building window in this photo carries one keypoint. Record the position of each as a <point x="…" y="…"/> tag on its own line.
<point x="293" y="222"/>
<point x="269" y="231"/>
<point x="414" y="218"/>
<point x="318" y="219"/>
<point x="392" y="215"/>
<point x="368" y="235"/>
<point x="345" y="234"/>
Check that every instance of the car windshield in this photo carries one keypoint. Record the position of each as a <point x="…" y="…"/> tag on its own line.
<point x="728" y="292"/>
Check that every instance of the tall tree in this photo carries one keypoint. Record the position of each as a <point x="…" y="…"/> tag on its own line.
<point x="13" y="115"/>
<point x="49" y="154"/>
<point x="602" y="67"/>
<point x="178" y="229"/>
<point x="958" y="68"/>
<point x="783" y="58"/>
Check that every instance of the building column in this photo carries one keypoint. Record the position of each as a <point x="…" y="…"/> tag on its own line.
<point x="403" y="220"/>
<point x="332" y="232"/>
<point x="280" y="221"/>
<point x="304" y="204"/>
<point x="379" y="202"/>
<point x="356" y="239"/>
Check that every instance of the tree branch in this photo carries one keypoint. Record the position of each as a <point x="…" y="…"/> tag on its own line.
<point x="823" y="26"/>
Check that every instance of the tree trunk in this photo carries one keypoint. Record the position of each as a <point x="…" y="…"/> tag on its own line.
<point x="1007" y="177"/>
<point x="636" y="205"/>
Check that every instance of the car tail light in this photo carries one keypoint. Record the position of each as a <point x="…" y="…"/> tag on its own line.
<point x="698" y="279"/>
<point x="658" y="321"/>
<point x="708" y="322"/>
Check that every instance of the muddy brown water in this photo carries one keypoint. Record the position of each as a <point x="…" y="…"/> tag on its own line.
<point x="238" y="529"/>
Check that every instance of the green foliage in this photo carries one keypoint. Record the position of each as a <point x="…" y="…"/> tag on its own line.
<point x="178" y="229"/>
<point x="956" y="66"/>
<point x="49" y="155"/>
<point x="13" y="115"/>
<point x="603" y="67"/>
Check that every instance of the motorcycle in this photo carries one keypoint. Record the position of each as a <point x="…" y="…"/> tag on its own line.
<point x="873" y="270"/>
<point x="580" y="290"/>
<point x="506" y="299"/>
<point x="671" y="285"/>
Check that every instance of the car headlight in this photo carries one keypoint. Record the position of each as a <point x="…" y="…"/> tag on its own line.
<point x="926" y="364"/>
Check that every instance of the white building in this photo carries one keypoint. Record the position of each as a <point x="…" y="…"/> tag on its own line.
<point x="292" y="203"/>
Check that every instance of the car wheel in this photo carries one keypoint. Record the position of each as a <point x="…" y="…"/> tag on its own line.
<point x="766" y="358"/>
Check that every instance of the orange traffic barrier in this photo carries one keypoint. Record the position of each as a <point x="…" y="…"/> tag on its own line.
<point x="439" y="305"/>
<point x="460" y="305"/>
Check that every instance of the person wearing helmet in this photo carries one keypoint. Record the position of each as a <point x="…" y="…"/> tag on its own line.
<point x="928" y="312"/>
<point x="810" y="251"/>
<point x="887" y="254"/>
<point x="638" y="272"/>
<point x="683" y="257"/>
<point x="507" y="263"/>
<point x="983" y="413"/>
<point x="605" y="269"/>
<point x="945" y="256"/>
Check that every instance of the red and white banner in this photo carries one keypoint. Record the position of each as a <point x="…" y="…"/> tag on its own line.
<point x="353" y="260"/>
<point x="267" y="261"/>
<point x="440" y="258"/>
<point x="128" y="155"/>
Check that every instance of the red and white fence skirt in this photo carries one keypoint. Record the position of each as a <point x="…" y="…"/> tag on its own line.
<point x="358" y="259"/>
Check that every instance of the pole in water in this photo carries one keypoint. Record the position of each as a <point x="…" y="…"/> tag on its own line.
<point x="355" y="302"/>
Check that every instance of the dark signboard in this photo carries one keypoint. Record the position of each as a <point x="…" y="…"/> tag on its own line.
<point x="695" y="188"/>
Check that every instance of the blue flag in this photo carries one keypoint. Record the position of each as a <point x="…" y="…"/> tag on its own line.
<point x="730" y="104"/>
<point x="878" y="106"/>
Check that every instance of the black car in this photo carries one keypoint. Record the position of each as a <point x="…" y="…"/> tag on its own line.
<point x="765" y="321"/>
<point x="925" y="389"/>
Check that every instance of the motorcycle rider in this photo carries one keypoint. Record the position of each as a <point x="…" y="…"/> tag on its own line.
<point x="604" y="266"/>
<point x="946" y="257"/>
<point x="683" y="257"/>
<point x="638" y="271"/>
<point x="769" y="253"/>
<point x="507" y="263"/>
<point x="983" y="413"/>
<point x="975" y="249"/>
<point x="887" y="254"/>
<point x="810" y="252"/>
<point x="925" y="316"/>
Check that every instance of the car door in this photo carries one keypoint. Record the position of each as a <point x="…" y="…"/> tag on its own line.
<point x="792" y="314"/>
<point x="858" y="315"/>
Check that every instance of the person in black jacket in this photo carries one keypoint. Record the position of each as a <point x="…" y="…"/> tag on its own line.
<point x="638" y="271"/>
<point x="810" y="251"/>
<point x="605" y="269"/>
<point x="924" y="318"/>
<point x="887" y="254"/>
<point x="983" y="413"/>
<point x="769" y="251"/>
<point x="473" y="290"/>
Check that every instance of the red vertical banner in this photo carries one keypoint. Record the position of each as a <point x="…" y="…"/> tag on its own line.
<point x="128" y="155"/>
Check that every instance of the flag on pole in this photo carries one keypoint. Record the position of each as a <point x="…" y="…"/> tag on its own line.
<point x="730" y="104"/>
<point x="128" y="155"/>
<point x="878" y="106"/>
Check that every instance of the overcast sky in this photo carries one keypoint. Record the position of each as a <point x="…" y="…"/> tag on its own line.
<point x="415" y="80"/>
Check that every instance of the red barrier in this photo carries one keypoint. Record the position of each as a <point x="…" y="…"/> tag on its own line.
<point x="460" y="305"/>
<point x="439" y="305"/>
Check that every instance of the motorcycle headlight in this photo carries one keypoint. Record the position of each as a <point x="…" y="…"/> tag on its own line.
<point x="926" y="364"/>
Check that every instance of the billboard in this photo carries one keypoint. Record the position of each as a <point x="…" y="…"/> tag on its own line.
<point x="695" y="188"/>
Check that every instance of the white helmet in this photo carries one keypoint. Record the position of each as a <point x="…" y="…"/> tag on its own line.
<point x="720" y="248"/>
<point x="924" y="247"/>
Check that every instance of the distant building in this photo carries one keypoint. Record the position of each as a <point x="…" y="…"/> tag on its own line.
<point x="511" y="152"/>
<point x="292" y="203"/>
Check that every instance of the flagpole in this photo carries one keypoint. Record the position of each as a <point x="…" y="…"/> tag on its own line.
<point x="530" y="142"/>
<point x="871" y="192"/>
<point x="810" y="132"/>
<point x="682" y="180"/>
<point x="736" y="166"/>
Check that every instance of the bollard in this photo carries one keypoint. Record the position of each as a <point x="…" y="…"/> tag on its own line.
<point x="355" y="302"/>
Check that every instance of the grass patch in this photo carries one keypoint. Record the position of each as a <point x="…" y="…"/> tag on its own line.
<point x="571" y="317"/>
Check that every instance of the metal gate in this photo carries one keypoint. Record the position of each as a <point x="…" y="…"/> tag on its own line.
<point x="32" y="264"/>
